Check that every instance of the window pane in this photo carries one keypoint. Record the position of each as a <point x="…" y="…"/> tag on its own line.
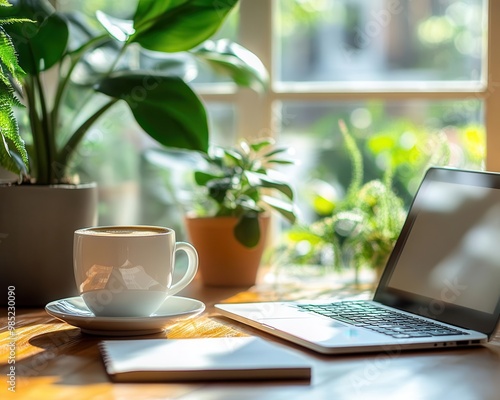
<point x="222" y="122"/>
<point x="407" y="136"/>
<point x="381" y="40"/>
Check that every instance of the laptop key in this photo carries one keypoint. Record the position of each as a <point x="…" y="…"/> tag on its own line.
<point x="417" y="334"/>
<point x="346" y="320"/>
<point x="444" y="333"/>
<point x="380" y="320"/>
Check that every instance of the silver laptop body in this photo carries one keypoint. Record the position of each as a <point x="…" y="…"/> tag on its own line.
<point x="442" y="279"/>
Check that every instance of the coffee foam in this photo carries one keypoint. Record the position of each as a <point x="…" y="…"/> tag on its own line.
<point x="124" y="231"/>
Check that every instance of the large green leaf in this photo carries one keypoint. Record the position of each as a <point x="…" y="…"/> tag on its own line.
<point x="178" y="25"/>
<point x="164" y="106"/>
<point x="39" y="45"/>
<point x="148" y="10"/>
<point x="231" y="59"/>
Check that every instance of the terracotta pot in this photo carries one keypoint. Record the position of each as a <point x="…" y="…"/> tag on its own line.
<point x="223" y="260"/>
<point x="37" y="224"/>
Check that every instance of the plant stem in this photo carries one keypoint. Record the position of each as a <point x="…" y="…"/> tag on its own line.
<point x="39" y="145"/>
<point x="64" y="155"/>
<point x="64" y="80"/>
<point x="50" y="146"/>
<point x="69" y="148"/>
<point x="356" y="162"/>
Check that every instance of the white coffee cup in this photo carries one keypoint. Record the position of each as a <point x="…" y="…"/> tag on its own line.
<point x="127" y="271"/>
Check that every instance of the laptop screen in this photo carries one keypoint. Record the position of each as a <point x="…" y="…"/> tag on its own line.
<point x="446" y="263"/>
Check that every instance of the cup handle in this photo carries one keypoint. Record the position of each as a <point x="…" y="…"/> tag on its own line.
<point x="191" y="270"/>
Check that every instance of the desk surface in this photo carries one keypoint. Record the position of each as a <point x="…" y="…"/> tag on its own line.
<point x="56" y="361"/>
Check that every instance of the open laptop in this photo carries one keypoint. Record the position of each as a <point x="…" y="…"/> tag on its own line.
<point x="440" y="287"/>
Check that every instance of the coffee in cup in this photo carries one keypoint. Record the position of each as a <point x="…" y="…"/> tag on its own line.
<point x="127" y="271"/>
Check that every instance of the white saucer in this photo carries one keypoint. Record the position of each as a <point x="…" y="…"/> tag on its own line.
<point x="74" y="311"/>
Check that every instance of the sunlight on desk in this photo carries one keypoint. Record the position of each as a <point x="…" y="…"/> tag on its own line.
<point x="57" y="361"/>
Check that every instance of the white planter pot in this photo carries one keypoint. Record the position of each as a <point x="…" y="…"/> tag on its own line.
<point x="36" y="239"/>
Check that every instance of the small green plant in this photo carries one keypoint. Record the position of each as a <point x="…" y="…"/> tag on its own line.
<point x="242" y="182"/>
<point x="362" y="228"/>
<point x="9" y="69"/>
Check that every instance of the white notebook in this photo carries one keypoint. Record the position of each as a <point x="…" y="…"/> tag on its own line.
<point x="234" y="358"/>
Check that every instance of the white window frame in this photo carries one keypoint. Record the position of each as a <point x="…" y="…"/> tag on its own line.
<point x="257" y="115"/>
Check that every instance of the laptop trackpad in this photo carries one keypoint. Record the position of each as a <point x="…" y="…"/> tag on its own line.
<point x="320" y="330"/>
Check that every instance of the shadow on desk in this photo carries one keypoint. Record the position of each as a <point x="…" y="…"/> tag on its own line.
<point x="78" y="356"/>
<point x="55" y="360"/>
<point x="61" y="349"/>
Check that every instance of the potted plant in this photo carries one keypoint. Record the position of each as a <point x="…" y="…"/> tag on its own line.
<point x="238" y="188"/>
<point x="74" y="74"/>
<point x="361" y="229"/>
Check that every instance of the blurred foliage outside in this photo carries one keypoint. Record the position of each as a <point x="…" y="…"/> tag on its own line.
<point x="357" y="191"/>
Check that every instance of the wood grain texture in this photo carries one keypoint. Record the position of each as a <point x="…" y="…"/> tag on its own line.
<point x="57" y="361"/>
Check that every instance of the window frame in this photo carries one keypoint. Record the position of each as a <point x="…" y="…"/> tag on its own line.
<point x="259" y="116"/>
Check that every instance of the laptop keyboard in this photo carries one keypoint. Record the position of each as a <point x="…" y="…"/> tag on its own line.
<point x="381" y="320"/>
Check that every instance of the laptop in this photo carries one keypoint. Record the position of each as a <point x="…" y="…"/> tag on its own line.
<point x="440" y="287"/>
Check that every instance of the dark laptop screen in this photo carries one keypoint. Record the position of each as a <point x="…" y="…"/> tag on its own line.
<point x="446" y="263"/>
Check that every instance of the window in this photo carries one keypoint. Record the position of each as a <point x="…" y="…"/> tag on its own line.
<point x="401" y="74"/>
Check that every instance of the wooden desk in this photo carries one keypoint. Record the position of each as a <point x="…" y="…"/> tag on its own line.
<point x="55" y="361"/>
